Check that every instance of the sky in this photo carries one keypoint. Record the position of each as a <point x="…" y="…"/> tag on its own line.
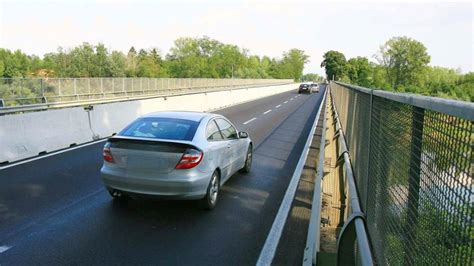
<point x="262" y="27"/>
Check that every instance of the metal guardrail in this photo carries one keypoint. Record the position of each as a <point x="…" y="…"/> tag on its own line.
<point x="354" y="228"/>
<point x="412" y="159"/>
<point x="353" y="232"/>
<point x="313" y="237"/>
<point x="31" y="94"/>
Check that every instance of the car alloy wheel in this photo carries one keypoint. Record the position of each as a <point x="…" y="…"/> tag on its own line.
<point x="212" y="194"/>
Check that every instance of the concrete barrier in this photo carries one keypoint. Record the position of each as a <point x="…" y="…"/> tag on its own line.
<point x="29" y="134"/>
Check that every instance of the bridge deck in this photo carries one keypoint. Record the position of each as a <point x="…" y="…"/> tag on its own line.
<point x="55" y="211"/>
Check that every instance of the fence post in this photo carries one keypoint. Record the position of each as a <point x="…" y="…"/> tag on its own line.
<point x="89" y="87"/>
<point x="123" y="87"/>
<point x="414" y="182"/>
<point x="42" y="87"/>
<point x="59" y="89"/>
<point x="102" y="88"/>
<point x="75" y="89"/>
<point x="366" y="196"/>
<point x="21" y="87"/>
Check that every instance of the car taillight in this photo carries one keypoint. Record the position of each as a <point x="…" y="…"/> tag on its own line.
<point x="190" y="159"/>
<point x="107" y="155"/>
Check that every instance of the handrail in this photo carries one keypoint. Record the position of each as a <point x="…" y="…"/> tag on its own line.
<point x="460" y="109"/>
<point x="163" y="93"/>
<point x="357" y="217"/>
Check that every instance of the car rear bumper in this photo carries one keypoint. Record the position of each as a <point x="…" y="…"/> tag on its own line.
<point x="184" y="188"/>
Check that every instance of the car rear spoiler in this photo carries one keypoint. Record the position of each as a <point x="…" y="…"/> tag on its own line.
<point x="151" y="141"/>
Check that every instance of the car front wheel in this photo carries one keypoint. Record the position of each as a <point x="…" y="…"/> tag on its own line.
<point x="248" y="161"/>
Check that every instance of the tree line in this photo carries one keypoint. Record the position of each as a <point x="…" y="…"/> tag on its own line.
<point x="188" y="58"/>
<point x="401" y="65"/>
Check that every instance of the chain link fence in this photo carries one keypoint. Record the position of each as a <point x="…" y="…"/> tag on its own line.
<point x="412" y="158"/>
<point x="30" y="91"/>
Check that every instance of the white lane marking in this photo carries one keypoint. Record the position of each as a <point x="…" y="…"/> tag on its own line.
<point x="4" y="248"/>
<point x="285" y="102"/>
<point x="248" y="121"/>
<point x="273" y="238"/>
<point x="278" y="106"/>
<point x="53" y="153"/>
<point x="266" y="112"/>
<point x="291" y="99"/>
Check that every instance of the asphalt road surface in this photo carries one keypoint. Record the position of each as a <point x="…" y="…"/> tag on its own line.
<point x="55" y="211"/>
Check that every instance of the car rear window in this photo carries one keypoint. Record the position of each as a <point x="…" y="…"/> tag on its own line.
<point x="161" y="128"/>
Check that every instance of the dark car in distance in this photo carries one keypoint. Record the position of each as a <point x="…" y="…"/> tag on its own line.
<point x="304" y="88"/>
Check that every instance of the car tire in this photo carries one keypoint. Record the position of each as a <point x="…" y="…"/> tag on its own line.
<point x="299" y="92"/>
<point x="248" y="161"/>
<point x="212" y="193"/>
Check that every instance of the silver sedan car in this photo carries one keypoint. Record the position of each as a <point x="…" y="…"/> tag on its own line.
<point x="179" y="155"/>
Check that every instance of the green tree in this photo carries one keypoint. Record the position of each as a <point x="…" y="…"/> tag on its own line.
<point x="131" y="63"/>
<point x="148" y="64"/>
<point x="187" y="59"/>
<point x="118" y="63"/>
<point x="405" y="61"/>
<point x="359" y="71"/>
<point x="14" y="64"/>
<point x="293" y="63"/>
<point x="379" y="77"/>
<point x="311" y="77"/>
<point x="102" y="61"/>
<point x="335" y="64"/>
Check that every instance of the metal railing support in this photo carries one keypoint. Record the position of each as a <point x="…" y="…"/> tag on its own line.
<point x="418" y="115"/>
<point x="75" y="89"/>
<point x="59" y="88"/>
<point x="89" y="87"/>
<point x="102" y="88"/>
<point x="42" y="87"/>
<point x="369" y="139"/>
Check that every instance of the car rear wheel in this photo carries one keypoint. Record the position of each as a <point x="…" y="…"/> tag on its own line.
<point x="212" y="193"/>
<point x="248" y="161"/>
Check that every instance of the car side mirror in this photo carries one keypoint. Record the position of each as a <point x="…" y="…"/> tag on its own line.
<point x="243" y="135"/>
